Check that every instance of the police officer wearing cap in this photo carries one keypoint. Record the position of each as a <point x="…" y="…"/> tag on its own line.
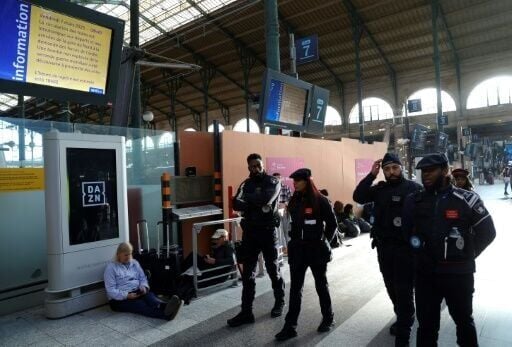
<point x="393" y="252"/>
<point x="313" y="227"/>
<point x="257" y="199"/>
<point x="449" y="227"/>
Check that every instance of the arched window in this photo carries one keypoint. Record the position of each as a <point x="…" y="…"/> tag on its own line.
<point x="494" y="91"/>
<point x="190" y="129"/>
<point x="332" y="116"/>
<point x="373" y="109"/>
<point x="241" y="126"/>
<point x="428" y="97"/>
<point x="166" y="140"/>
<point x="210" y="128"/>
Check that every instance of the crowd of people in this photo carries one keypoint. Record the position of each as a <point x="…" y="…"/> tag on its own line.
<point x="427" y="238"/>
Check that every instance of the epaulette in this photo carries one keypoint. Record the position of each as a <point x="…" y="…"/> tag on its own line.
<point x="381" y="184"/>
<point x="469" y="197"/>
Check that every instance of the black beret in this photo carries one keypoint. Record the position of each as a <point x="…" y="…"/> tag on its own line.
<point x="460" y="172"/>
<point x="390" y="158"/>
<point x="436" y="159"/>
<point x="301" y="174"/>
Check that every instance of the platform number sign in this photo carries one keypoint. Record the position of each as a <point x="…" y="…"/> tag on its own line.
<point x="319" y="102"/>
<point x="93" y="194"/>
<point x="306" y="49"/>
<point x="319" y="108"/>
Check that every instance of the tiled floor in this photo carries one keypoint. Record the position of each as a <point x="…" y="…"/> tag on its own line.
<point x="363" y="309"/>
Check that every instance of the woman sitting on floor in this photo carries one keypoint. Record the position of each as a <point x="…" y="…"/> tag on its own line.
<point x="128" y="289"/>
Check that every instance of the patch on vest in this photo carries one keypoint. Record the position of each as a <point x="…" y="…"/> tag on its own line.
<point x="415" y="242"/>
<point x="397" y="221"/>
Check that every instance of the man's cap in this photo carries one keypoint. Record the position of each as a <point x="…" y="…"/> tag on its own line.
<point x="436" y="159"/>
<point x="460" y="172"/>
<point x="390" y="158"/>
<point x="220" y="233"/>
<point x="301" y="174"/>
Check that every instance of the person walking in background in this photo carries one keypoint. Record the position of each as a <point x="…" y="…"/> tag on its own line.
<point x="393" y="252"/>
<point x="507" y="171"/>
<point x="313" y="227"/>
<point x="461" y="179"/>
<point x="257" y="199"/>
<point x="284" y="197"/>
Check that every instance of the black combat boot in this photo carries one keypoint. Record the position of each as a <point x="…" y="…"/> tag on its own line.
<point x="326" y="325"/>
<point x="240" y="319"/>
<point x="277" y="310"/>
<point x="288" y="332"/>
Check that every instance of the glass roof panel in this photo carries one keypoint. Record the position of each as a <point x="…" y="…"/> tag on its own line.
<point x="167" y="14"/>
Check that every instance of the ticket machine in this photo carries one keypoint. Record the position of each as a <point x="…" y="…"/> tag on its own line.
<point x="86" y="216"/>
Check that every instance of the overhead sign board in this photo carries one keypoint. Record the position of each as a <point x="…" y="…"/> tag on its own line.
<point x="306" y="49"/>
<point x="414" y="105"/>
<point x="442" y="120"/>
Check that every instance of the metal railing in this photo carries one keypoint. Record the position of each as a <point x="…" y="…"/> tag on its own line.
<point x="196" y="230"/>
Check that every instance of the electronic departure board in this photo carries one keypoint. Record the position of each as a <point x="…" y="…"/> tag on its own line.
<point x="285" y="101"/>
<point x="58" y="50"/>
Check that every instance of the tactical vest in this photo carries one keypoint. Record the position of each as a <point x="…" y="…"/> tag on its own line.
<point x="442" y="234"/>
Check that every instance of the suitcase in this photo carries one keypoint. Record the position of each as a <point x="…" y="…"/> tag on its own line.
<point x="165" y="267"/>
<point x="144" y="254"/>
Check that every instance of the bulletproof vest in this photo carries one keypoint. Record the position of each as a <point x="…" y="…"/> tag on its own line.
<point x="442" y="232"/>
<point x="388" y="208"/>
<point x="307" y="223"/>
<point x="258" y="216"/>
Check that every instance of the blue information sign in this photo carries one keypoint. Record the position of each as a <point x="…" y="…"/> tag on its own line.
<point x="414" y="105"/>
<point x="442" y="120"/>
<point x="306" y="49"/>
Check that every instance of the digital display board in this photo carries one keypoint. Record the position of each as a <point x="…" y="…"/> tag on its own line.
<point x="59" y="50"/>
<point x="284" y="101"/>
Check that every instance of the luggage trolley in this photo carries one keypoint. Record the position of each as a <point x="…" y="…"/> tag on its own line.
<point x="196" y="230"/>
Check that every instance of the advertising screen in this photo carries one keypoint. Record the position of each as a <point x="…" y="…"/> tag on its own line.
<point x="92" y="195"/>
<point x="56" y="44"/>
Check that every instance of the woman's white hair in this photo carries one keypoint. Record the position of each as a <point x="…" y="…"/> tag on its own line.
<point x="124" y="247"/>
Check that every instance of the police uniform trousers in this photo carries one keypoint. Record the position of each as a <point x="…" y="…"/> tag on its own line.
<point x="302" y="255"/>
<point x="457" y="291"/>
<point x="396" y="264"/>
<point x="254" y="242"/>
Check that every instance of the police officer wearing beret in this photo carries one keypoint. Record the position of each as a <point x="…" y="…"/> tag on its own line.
<point x="461" y="178"/>
<point x="393" y="252"/>
<point x="257" y="199"/>
<point x="313" y="227"/>
<point x="449" y="227"/>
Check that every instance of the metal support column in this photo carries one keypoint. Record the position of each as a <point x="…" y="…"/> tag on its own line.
<point x="341" y="95"/>
<point x="247" y="60"/>
<point x="207" y="74"/>
<point x="272" y="35"/>
<point x="357" y="33"/>
<point x="135" y="113"/>
<point x="437" y="64"/>
<point x="173" y="85"/>
<point x="293" y="58"/>
<point x="21" y="130"/>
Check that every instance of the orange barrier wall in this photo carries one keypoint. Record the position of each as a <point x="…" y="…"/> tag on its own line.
<point x="332" y="163"/>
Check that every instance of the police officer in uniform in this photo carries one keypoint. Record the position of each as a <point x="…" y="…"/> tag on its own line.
<point x="257" y="200"/>
<point x="393" y="252"/>
<point x="449" y="228"/>
<point x="313" y="227"/>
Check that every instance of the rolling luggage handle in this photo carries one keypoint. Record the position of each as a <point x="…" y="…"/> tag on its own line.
<point x="140" y="247"/>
